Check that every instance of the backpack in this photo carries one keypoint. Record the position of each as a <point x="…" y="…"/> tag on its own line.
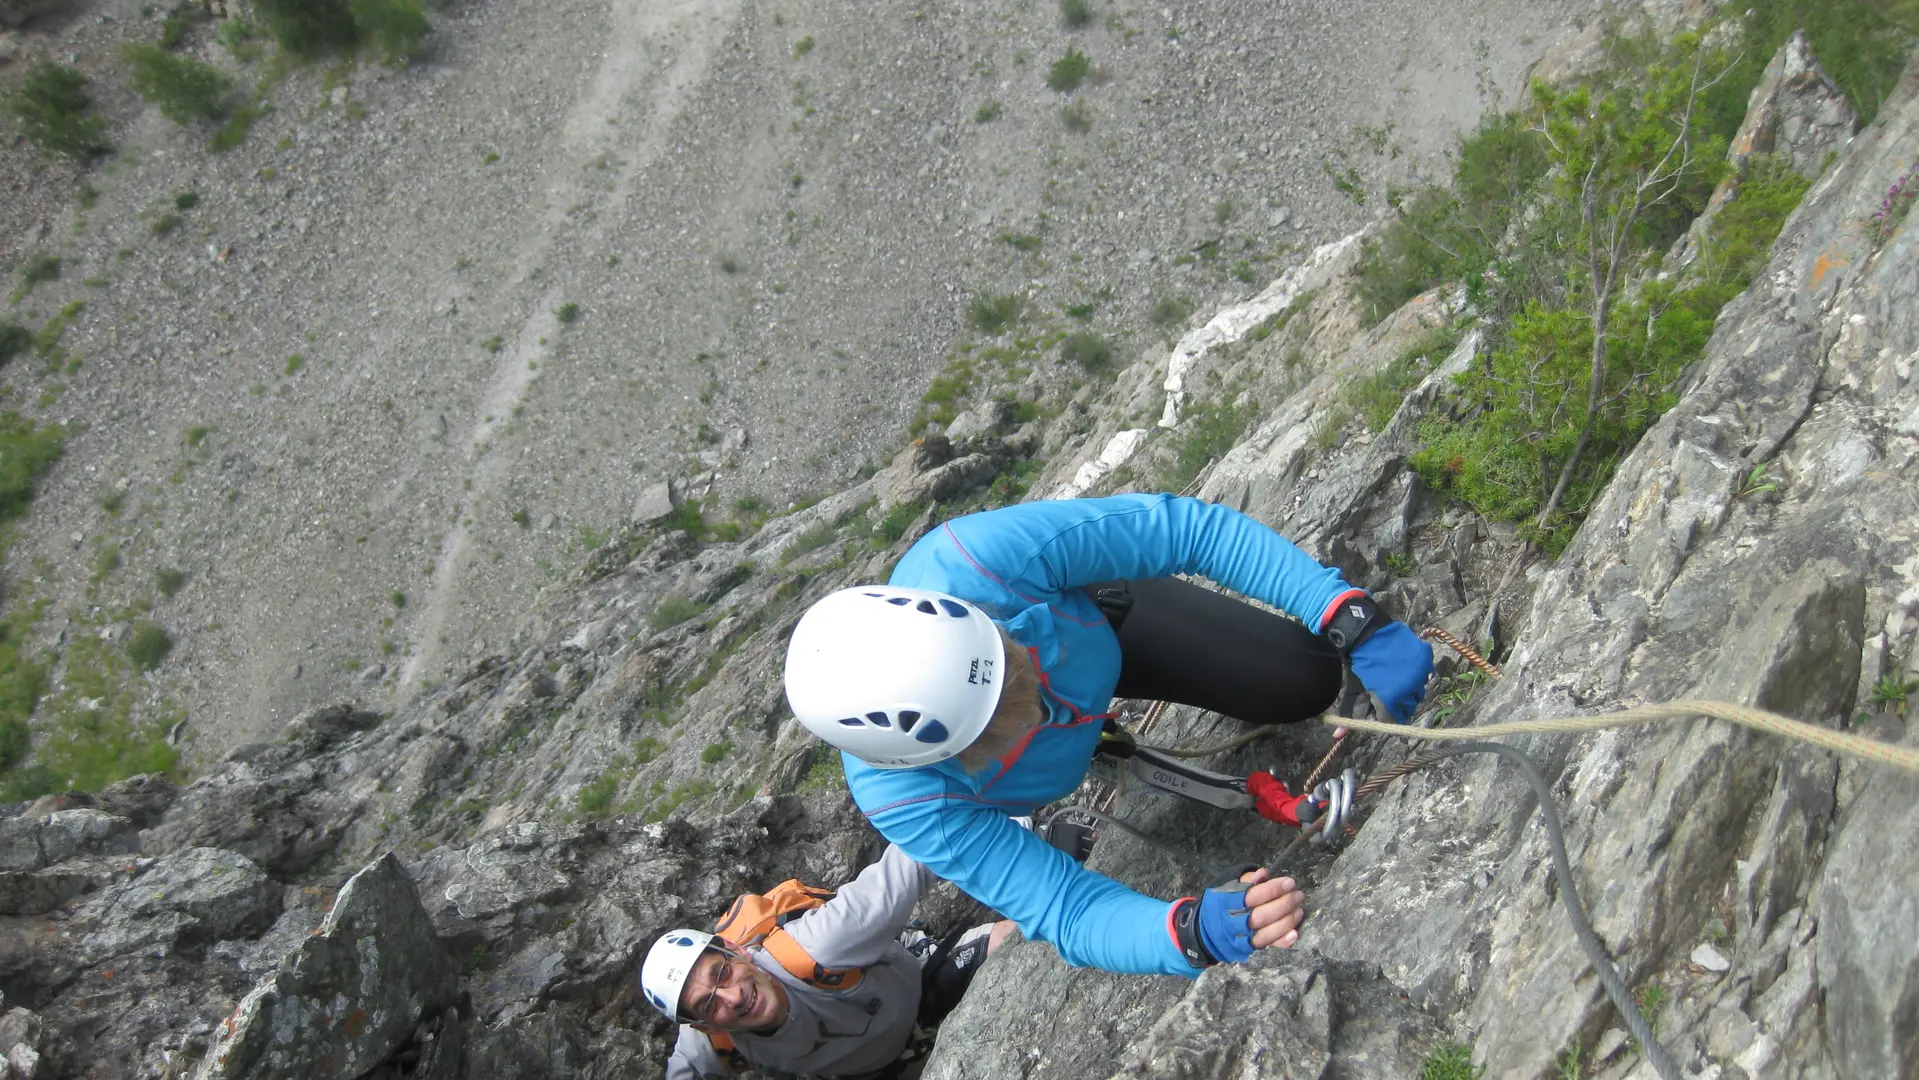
<point x="758" y="920"/>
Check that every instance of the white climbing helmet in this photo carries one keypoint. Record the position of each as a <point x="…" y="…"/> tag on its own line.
<point x="895" y="677"/>
<point x="669" y="963"/>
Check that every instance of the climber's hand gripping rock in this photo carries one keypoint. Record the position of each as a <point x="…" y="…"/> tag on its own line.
<point x="1230" y="921"/>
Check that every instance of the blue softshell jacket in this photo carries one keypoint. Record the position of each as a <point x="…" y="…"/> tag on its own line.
<point x="1025" y="565"/>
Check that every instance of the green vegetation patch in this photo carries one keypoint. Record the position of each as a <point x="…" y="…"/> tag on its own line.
<point x="1551" y="213"/>
<point x="1453" y="1061"/>
<point x="1087" y="349"/>
<point x="1207" y="432"/>
<point x="673" y="611"/>
<point x="1068" y="72"/>
<point x="94" y="730"/>
<point x="56" y="112"/>
<point x="310" y="29"/>
<point x="148" y="644"/>
<point x="895" y="523"/>
<point x="1862" y="44"/>
<point x="185" y="91"/>
<point x="994" y="314"/>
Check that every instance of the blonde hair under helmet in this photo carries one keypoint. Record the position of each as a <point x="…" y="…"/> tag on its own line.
<point x="896" y="677"/>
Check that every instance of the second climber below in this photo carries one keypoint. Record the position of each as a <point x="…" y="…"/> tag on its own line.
<point x="973" y="688"/>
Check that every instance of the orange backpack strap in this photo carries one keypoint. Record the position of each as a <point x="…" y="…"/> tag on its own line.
<point x="757" y="920"/>
<point x="798" y="963"/>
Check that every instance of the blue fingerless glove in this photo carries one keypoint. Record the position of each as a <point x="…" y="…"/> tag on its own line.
<point x="1225" y="925"/>
<point x="1393" y="664"/>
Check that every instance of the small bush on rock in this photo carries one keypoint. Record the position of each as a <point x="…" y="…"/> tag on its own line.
<point x="56" y="114"/>
<point x="395" y="27"/>
<point x="149" y="645"/>
<point x="183" y="90"/>
<point x="309" y="28"/>
<point x="1068" y="72"/>
<point x="1087" y="349"/>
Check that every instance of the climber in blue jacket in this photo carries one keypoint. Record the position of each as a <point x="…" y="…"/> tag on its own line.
<point x="973" y="688"/>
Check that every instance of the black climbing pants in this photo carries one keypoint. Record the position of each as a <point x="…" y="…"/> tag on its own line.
<point x="1189" y="645"/>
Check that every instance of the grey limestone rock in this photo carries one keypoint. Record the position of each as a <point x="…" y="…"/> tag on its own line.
<point x="200" y="895"/>
<point x="31" y="841"/>
<point x="348" y="996"/>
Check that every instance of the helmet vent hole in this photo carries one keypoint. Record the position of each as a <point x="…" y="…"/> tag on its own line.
<point x="926" y="606"/>
<point x="931" y="732"/>
<point x="853" y="721"/>
<point x="880" y="719"/>
<point x="907" y="719"/>
<point x="953" y="608"/>
<point x="899" y="601"/>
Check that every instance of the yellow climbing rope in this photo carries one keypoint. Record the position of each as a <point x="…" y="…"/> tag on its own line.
<point x="1899" y="757"/>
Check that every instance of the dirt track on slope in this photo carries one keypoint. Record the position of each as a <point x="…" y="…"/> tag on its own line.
<point x="760" y="237"/>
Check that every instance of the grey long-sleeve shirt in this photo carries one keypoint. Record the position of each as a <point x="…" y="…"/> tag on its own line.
<point x="836" y="1033"/>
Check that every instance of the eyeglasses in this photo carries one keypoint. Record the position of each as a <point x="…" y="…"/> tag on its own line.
<point x="730" y="972"/>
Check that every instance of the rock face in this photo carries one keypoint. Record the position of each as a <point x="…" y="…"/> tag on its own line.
<point x="349" y="996"/>
<point x="461" y="891"/>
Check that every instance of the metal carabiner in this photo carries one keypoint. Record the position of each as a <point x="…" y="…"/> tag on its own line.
<point x="1336" y="798"/>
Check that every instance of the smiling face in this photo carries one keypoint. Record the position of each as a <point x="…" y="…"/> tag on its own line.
<point x="730" y="993"/>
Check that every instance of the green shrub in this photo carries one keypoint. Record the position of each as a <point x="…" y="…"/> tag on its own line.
<point x="169" y="580"/>
<point x="568" y="313"/>
<point x="56" y="114"/>
<point x="179" y="23"/>
<point x="810" y="539"/>
<point x="1526" y="448"/>
<point x="803" y="46"/>
<point x="1378" y="396"/>
<point x="148" y="645"/>
<point x="827" y="772"/>
<point x="1074" y="14"/>
<point x="183" y="90"/>
<point x="166" y="224"/>
<point x="673" y="611"/>
<point x="1087" y="349"/>
<point x="894" y="524"/>
<point x="1453" y="1061"/>
<point x="988" y="112"/>
<point x="993" y="315"/>
<point x="27" y="451"/>
<point x="1206" y="432"/>
<point x="234" y="132"/>
<point x="21" y="683"/>
<point x="596" y="796"/>
<point x="395" y="27"/>
<point x="1862" y="44"/>
<point x="1170" y="312"/>
<point x="1068" y="72"/>
<point x="40" y="269"/>
<point x="14" y="340"/>
<point x="309" y="29"/>
<point x="240" y="39"/>
<point x="1452" y="233"/>
<point x="715" y="751"/>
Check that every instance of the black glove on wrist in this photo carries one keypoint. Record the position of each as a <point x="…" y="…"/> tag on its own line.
<point x="1353" y="621"/>
<point x="1185" y="920"/>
